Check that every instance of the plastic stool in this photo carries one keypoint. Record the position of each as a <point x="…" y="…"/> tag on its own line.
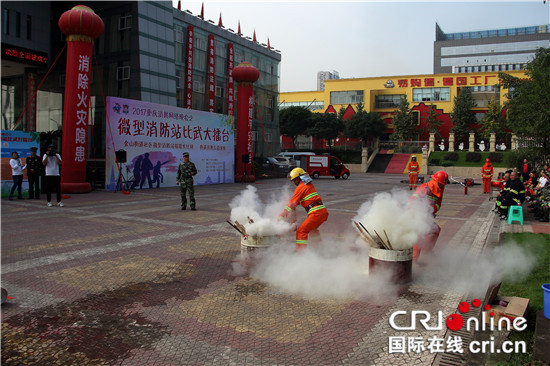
<point x="515" y="213"/>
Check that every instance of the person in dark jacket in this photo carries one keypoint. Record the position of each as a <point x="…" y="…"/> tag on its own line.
<point x="513" y="194"/>
<point x="34" y="170"/>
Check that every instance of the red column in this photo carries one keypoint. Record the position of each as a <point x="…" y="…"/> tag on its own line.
<point x="81" y="26"/>
<point x="245" y="75"/>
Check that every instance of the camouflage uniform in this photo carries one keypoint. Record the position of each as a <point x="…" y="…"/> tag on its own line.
<point x="186" y="171"/>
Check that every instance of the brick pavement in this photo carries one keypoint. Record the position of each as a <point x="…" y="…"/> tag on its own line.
<point x="114" y="279"/>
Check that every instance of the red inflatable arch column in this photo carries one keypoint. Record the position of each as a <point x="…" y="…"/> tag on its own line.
<point x="245" y="75"/>
<point x="81" y="26"/>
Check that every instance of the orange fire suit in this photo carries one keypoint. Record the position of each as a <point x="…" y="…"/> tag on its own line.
<point x="434" y="194"/>
<point x="413" y="168"/>
<point x="487" y="175"/>
<point x="317" y="213"/>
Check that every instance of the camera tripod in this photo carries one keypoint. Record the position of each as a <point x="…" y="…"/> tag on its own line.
<point x="122" y="184"/>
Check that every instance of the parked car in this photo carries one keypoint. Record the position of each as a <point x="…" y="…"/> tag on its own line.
<point x="270" y="167"/>
<point x="287" y="161"/>
<point x="294" y="155"/>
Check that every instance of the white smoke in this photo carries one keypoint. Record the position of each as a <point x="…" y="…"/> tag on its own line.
<point x="403" y="222"/>
<point x="265" y="216"/>
<point x="456" y="268"/>
<point x="331" y="269"/>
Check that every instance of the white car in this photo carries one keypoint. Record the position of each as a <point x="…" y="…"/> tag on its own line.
<point x="285" y="160"/>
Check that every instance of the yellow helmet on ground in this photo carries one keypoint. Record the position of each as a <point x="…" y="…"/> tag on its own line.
<point x="296" y="172"/>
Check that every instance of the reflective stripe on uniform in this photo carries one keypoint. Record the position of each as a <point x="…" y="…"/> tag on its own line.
<point x="315" y="208"/>
<point x="288" y="209"/>
<point x="309" y="196"/>
<point x="303" y="242"/>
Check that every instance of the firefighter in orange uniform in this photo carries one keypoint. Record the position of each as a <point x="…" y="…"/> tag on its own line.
<point x="305" y="195"/>
<point x="413" y="168"/>
<point x="433" y="191"/>
<point x="487" y="175"/>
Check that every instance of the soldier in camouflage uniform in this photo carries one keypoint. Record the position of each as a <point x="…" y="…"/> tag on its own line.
<point x="184" y="178"/>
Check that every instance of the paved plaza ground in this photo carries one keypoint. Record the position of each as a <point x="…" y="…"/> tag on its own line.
<point x="116" y="279"/>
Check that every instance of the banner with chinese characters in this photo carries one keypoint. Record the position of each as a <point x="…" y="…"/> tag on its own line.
<point x="20" y="142"/>
<point x="154" y="138"/>
<point x="230" y="81"/>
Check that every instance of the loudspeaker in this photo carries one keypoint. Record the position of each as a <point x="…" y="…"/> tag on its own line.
<point x="121" y="156"/>
<point x="245" y="158"/>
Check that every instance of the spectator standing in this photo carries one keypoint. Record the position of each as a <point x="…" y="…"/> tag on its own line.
<point x="525" y="170"/>
<point x="17" y="174"/>
<point x="34" y="170"/>
<point x="184" y="178"/>
<point x="52" y="160"/>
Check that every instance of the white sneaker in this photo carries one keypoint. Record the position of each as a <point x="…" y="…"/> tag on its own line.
<point x="50" y="204"/>
<point x="60" y="204"/>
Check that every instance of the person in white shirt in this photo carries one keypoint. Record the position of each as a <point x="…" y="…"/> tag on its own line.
<point x="17" y="173"/>
<point x="52" y="160"/>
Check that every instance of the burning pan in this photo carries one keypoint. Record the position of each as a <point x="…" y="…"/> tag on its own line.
<point x="398" y="262"/>
<point x="253" y="244"/>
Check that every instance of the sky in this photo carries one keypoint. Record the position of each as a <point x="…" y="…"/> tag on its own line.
<point x="362" y="38"/>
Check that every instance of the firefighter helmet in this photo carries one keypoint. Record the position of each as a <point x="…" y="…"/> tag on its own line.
<point x="296" y="172"/>
<point x="487" y="160"/>
<point x="413" y="157"/>
<point x="440" y="177"/>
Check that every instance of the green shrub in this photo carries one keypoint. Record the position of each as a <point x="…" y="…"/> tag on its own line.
<point x="434" y="161"/>
<point x="495" y="157"/>
<point x="447" y="163"/>
<point x="473" y="157"/>
<point x="452" y="156"/>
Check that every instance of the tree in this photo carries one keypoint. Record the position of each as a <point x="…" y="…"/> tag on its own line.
<point x="529" y="102"/>
<point x="294" y="121"/>
<point x="404" y="124"/>
<point x="365" y="125"/>
<point x="493" y="121"/>
<point x="432" y="122"/>
<point x="327" y="126"/>
<point x="462" y="115"/>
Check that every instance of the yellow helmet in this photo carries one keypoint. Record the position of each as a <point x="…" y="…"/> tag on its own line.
<point x="296" y="172"/>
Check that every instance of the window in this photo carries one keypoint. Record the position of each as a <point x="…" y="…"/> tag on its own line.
<point x="179" y="82"/>
<point x="347" y="97"/>
<point x="198" y="86"/>
<point x="388" y="101"/>
<point x="17" y="24"/>
<point x="200" y="43"/>
<point x="123" y="73"/>
<point x="268" y="137"/>
<point x="125" y="22"/>
<point x="29" y="23"/>
<point x="430" y="94"/>
<point x="6" y="21"/>
<point x="178" y="36"/>
<point x="254" y="135"/>
<point x="220" y="91"/>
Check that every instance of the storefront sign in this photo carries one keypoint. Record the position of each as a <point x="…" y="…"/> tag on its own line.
<point x="24" y="55"/>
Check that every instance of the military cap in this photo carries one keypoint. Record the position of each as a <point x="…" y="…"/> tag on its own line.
<point x="186" y="154"/>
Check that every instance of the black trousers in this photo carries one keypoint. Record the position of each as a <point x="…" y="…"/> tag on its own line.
<point x="34" y="185"/>
<point x="53" y="182"/>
